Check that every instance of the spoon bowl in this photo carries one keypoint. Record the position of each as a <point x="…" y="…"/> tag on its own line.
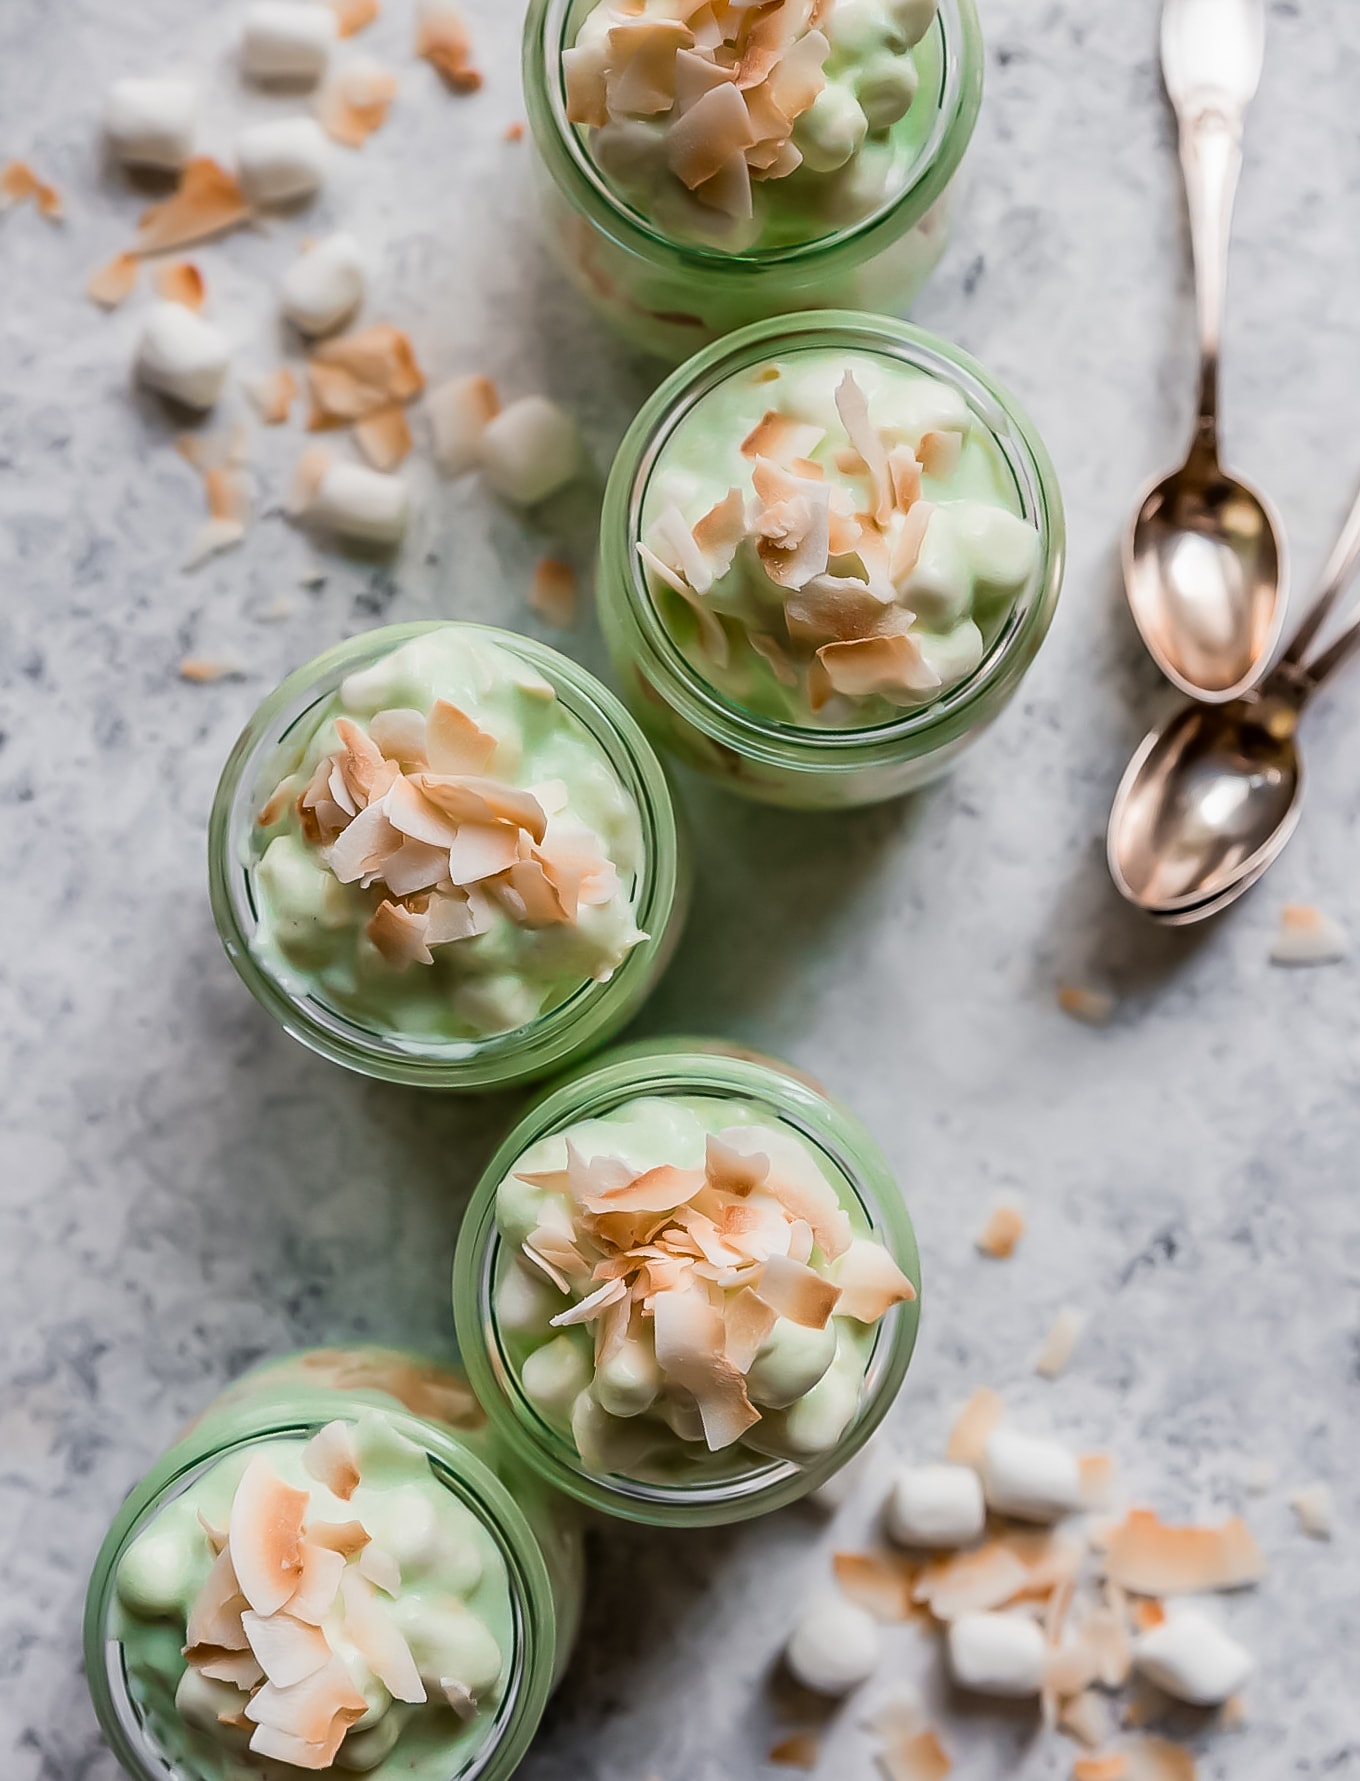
<point x="1207" y="803"/>
<point x="1204" y="568"/>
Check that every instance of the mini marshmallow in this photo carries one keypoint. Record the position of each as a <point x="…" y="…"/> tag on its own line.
<point x="356" y="502"/>
<point x="1029" y="1477"/>
<point x="1001" y="1654"/>
<point x="832" y="131"/>
<point x="935" y="1506"/>
<point x="325" y="285"/>
<point x="913" y="18"/>
<point x="150" y="123"/>
<point x="886" y="90"/>
<point x="182" y="356"/>
<point x="1192" y="1659"/>
<point x="834" y="1647"/>
<point x="281" y="160"/>
<point x="553" y="1375"/>
<point x="530" y="450"/>
<point x="287" y="40"/>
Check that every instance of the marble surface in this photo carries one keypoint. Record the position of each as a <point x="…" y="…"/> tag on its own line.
<point x="185" y="1190"/>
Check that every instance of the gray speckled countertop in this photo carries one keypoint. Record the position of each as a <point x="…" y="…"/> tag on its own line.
<point x="184" y="1189"/>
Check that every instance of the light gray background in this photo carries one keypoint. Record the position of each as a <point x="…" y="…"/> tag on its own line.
<point x="185" y="1190"/>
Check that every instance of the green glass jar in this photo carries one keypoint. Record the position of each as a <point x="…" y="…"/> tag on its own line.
<point x="361" y="1018"/>
<point x="783" y="762"/>
<point x="670" y="296"/>
<point x="531" y="1542"/>
<point x="664" y="1081"/>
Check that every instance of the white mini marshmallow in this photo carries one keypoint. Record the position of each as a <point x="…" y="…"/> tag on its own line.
<point x="287" y="40"/>
<point x="834" y="1647"/>
<point x="913" y="18"/>
<point x="1191" y="1658"/>
<point x="935" y="1506"/>
<point x="150" y="123"/>
<point x="553" y="1376"/>
<point x="1003" y="1654"/>
<point x="182" y="356"/>
<point x="282" y="160"/>
<point x="1029" y="1477"/>
<point x="325" y="285"/>
<point x="530" y="450"/>
<point x="367" y="505"/>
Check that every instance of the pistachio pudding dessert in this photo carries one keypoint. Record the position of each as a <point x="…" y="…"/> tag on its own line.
<point x="444" y="854"/>
<point x="686" y="1287"/>
<point x="709" y="162"/>
<point x="831" y="547"/>
<point x="360" y="1594"/>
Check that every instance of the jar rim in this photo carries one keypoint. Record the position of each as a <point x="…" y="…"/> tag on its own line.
<point x="850" y="749"/>
<point x="588" y="1015"/>
<point x="469" y="1479"/>
<point x="669" y="1068"/>
<point x="558" y="141"/>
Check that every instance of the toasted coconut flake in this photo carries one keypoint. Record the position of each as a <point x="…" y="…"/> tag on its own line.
<point x="870" y="1281"/>
<point x="215" y="1616"/>
<point x="703" y="143"/>
<point x="940" y="454"/>
<point x="273" y="395"/>
<point x="781" y="438"/>
<point x="662" y="1189"/>
<point x="1003" y="1230"/>
<point x="204" y="670"/>
<point x="399" y="935"/>
<point x="211" y="539"/>
<point x="1232" y="1715"/>
<point x="381" y="1569"/>
<point x="1097" y="1480"/>
<point x="345" y="1537"/>
<point x="215" y="1536"/>
<point x="883" y="1583"/>
<point x="1308" y="937"/>
<point x="891" y="664"/>
<point x="690" y="1350"/>
<point x="467" y="798"/>
<point x="720" y="531"/>
<point x="322" y="1569"/>
<point x="1094" y="1008"/>
<point x="384" y="438"/>
<point x="748" y="1321"/>
<point x="308" y="1709"/>
<point x="288" y="1650"/>
<point x="353" y="16"/>
<point x="379" y="1640"/>
<point x="307" y="478"/>
<point x="240" y="1668"/>
<point x="1146" y="1614"/>
<point x="19" y="183"/>
<point x="1149" y="1557"/>
<point x="442" y="39"/>
<point x="454" y="743"/>
<point x="1314" y="1510"/>
<point x="853" y="407"/>
<point x="354" y="103"/>
<point x="1113" y="1767"/>
<point x="265" y="1536"/>
<point x="797" y="1292"/>
<point x="180" y="281"/>
<point x="968" y="1437"/>
<point x="360" y="374"/>
<point x="773" y="651"/>
<point x="920" y="1757"/>
<point x="330" y="1458"/>
<point x="113" y="283"/>
<point x="1157" y="1759"/>
<point x="553" y="594"/>
<point x="1060" y="1343"/>
<point x="206" y="202"/>
<point x="513" y="131"/>
<point x="1087" y="1717"/>
<point x="972" y="1582"/>
<point x="799" y="1750"/>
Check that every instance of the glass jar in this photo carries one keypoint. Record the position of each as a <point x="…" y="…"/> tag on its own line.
<point x="669" y="296"/>
<point x="534" y="1534"/>
<point x="853" y="1162"/>
<point x="273" y="742"/>
<point x="781" y="763"/>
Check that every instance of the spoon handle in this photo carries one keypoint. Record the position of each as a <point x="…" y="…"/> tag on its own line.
<point x="1341" y="565"/>
<point x="1212" y="53"/>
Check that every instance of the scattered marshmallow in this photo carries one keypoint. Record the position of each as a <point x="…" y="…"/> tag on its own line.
<point x="834" y="1647"/>
<point x="935" y="1506"/>
<point x="325" y="285"/>
<point x="1307" y="936"/>
<point x="1191" y="1658"/>
<point x="150" y="123"/>
<point x="282" y="160"/>
<point x="287" y="40"/>
<point x="530" y="450"/>
<point x="460" y="412"/>
<point x="356" y="502"/>
<point x="1002" y="1654"/>
<point x="1314" y="1510"/>
<point x="182" y="356"/>
<point x="1029" y="1477"/>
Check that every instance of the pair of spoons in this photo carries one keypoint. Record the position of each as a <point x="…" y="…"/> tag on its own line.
<point x="1211" y="797"/>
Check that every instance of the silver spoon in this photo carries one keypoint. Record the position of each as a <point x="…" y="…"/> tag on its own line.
<point x="1204" y="558"/>
<point x="1210" y="799"/>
